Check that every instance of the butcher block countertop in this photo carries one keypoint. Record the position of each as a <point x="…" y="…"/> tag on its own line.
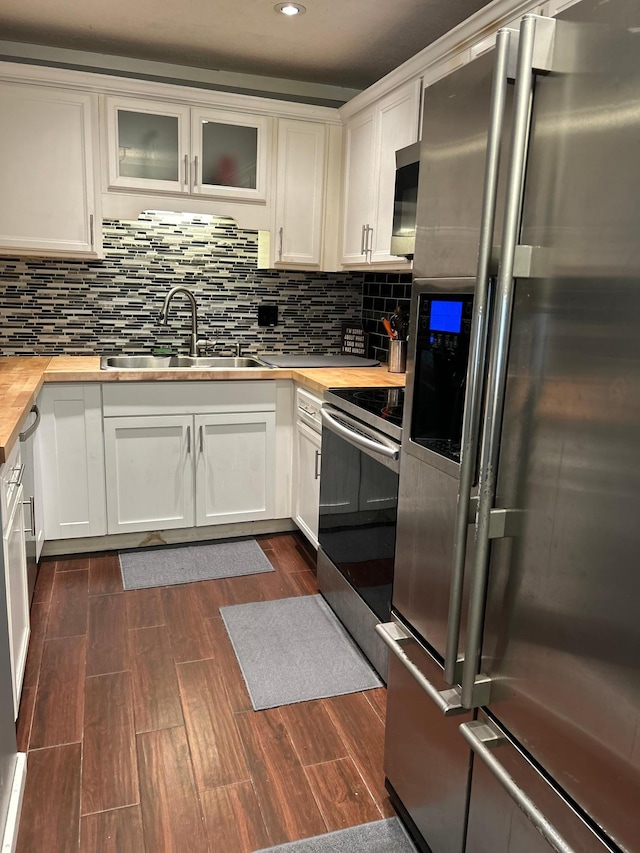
<point x="22" y="377"/>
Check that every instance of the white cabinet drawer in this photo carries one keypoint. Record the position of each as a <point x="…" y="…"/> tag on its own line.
<point x="308" y="409"/>
<point x="11" y="473"/>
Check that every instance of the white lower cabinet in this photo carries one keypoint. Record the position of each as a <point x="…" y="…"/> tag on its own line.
<point x="235" y="467"/>
<point x="169" y="471"/>
<point x="306" y="463"/>
<point x="182" y="455"/>
<point x="72" y="448"/>
<point x="149" y="463"/>
<point x="307" y="499"/>
<point x="132" y="457"/>
<point x="14" y="564"/>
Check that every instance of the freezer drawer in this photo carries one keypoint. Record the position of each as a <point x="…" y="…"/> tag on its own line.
<point x="498" y="823"/>
<point x="426" y="760"/>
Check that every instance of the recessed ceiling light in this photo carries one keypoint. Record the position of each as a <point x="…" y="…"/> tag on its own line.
<point x="290" y="9"/>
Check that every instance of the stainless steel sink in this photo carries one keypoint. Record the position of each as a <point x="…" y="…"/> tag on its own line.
<point x="178" y="362"/>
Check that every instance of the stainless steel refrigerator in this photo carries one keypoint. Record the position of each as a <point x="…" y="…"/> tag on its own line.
<point x="514" y="688"/>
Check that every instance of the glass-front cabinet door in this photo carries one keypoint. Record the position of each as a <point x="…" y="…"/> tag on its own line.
<point x="229" y="154"/>
<point x="161" y="147"/>
<point x="148" y="145"/>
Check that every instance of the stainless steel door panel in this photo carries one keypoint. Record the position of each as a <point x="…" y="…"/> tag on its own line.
<point x="562" y="632"/>
<point x="424" y="550"/>
<point x="452" y="165"/>
<point x="426" y="759"/>
<point x="581" y="200"/>
<point x="497" y="824"/>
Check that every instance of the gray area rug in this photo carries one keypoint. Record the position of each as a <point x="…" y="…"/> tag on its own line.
<point x="293" y="650"/>
<point x="383" y="836"/>
<point x="170" y="564"/>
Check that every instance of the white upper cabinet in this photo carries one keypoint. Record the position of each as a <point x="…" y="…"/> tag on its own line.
<point x="358" y="186"/>
<point x="230" y="153"/>
<point x="47" y="181"/>
<point x="372" y="138"/>
<point x="148" y="145"/>
<point x="162" y="147"/>
<point x="300" y="181"/>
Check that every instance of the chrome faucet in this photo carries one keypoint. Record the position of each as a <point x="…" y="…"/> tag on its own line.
<point x="193" y="351"/>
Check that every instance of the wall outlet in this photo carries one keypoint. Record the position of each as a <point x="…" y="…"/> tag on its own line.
<point x="267" y="315"/>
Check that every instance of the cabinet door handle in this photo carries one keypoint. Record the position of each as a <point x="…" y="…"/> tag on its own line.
<point x="28" y="432"/>
<point x="317" y="465"/>
<point x="281" y="242"/>
<point x="186" y="170"/>
<point x="31" y="503"/>
<point x="18" y="476"/>
<point x="188" y="439"/>
<point x="91" y="229"/>
<point x="195" y="171"/>
<point x="362" y="239"/>
<point x="368" y="249"/>
<point x="201" y="439"/>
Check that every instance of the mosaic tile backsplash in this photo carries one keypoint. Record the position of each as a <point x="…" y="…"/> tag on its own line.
<point x="81" y="308"/>
<point x="382" y="294"/>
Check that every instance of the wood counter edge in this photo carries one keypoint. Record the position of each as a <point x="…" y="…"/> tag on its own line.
<point x="60" y="369"/>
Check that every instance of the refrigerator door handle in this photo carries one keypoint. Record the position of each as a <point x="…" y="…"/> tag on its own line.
<point x="481" y="737"/>
<point x="448" y="701"/>
<point x="506" y="48"/>
<point x="528" y="50"/>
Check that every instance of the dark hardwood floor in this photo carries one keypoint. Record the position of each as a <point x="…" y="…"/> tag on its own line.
<point x="141" y="735"/>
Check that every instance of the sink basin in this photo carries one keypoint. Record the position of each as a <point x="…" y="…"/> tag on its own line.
<point x="178" y="362"/>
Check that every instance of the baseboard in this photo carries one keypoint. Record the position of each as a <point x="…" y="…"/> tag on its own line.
<point x="10" y="838"/>
<point x="115" y="541"/>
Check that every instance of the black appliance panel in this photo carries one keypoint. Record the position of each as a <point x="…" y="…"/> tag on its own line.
<point x="443" y="331"/>
<point x="357" y="525"/>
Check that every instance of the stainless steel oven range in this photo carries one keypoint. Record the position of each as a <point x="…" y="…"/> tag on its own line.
<point x="361" y="437"/>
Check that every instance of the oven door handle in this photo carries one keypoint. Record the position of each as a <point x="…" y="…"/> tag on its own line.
<point x="360" y="436"/>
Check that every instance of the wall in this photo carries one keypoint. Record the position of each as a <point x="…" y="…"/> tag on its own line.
<point x="382" y="294"/>
<point x="80" y="308"/>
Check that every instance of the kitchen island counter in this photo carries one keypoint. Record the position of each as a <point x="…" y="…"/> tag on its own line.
<point x="21" y="378"/>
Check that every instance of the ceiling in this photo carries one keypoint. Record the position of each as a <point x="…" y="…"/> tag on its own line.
<point x="350" y="44"/>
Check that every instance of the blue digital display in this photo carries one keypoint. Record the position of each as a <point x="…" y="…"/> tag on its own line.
<point x="445" y="316"/>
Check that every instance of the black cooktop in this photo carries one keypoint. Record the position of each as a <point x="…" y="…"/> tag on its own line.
<point x="383" y="406"/>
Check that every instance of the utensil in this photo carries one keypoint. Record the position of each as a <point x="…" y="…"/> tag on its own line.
<point x="399" y="324"/>
<point x="390" y="331"/>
